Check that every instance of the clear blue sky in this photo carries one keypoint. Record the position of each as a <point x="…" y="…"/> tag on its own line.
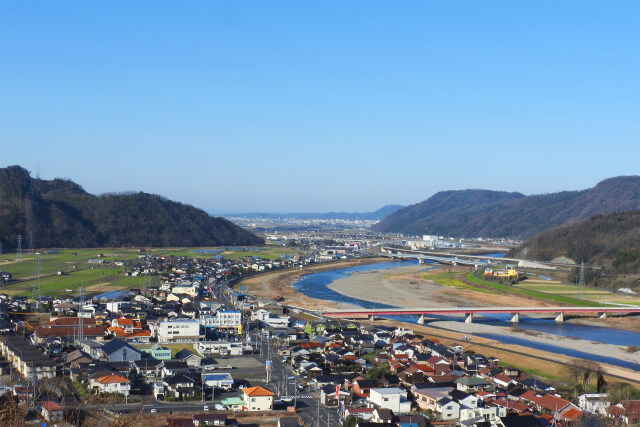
<point x="288" y="106"/>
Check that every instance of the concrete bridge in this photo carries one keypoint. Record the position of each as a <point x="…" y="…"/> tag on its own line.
<point x="464" y="259"/>
<point x="515" y="312"/>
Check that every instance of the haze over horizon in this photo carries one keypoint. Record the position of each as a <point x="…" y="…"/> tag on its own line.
<point x="320" y="106"/>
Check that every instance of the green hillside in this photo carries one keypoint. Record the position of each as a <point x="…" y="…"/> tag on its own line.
<point x="60" y="214"/>
<point x="482" y="213"/>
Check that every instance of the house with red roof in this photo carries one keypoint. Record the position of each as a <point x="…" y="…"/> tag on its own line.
<point x="257" y="399"/>
<point x="111" y="384"/>
<point x="51" y="411"/>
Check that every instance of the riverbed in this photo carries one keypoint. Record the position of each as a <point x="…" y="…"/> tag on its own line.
<point x="382" y="285"/>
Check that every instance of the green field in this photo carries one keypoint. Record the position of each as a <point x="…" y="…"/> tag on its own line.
<point x="600" y="296"/>
<point x="77" y="272"/>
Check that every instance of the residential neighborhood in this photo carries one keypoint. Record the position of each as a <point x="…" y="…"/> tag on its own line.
<point x="194" y="348"/>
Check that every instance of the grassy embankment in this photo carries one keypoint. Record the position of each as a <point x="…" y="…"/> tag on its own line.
<point x="557" y="293"/>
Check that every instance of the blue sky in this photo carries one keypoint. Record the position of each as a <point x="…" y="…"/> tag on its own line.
<point x="288" y="106"/>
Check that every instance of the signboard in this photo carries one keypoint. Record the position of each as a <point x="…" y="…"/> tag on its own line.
<point x="267" y="365"/>
<point x="337" y="392"/>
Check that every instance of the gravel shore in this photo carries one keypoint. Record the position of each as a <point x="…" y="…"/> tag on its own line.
<point x="390" y="287"/>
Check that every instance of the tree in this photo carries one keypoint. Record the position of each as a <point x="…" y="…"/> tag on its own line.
<point x="601" y="385"/>
<point x="350" y="421"/>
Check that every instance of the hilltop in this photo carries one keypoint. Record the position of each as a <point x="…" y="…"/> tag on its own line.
<point x="61" y="214"/>
<point x="484" y="213"/>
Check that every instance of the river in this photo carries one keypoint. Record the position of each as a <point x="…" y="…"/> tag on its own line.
<point x="315" y="285"/>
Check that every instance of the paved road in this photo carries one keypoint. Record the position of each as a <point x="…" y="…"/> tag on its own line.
<point x="283" y="378"/>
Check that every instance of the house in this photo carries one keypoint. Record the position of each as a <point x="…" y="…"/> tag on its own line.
<point x="363" y="413"/>
<point x="486" y="414"/>
<point x="427" y="398"/>
<point x="119" y="351"/>
<point x="166" y="368"/>
<point x="147" y="367"/>
<point x="594" y="403"/>
<point x="180" y="386"/>
<point x="257" y="399"/>
<point x="51" y="411"/>
<point x="627" y="411"/>
<point x="222" y="381"/>
<point x="382" y="416"/>
<point x="111" y="384"/>
<point x="393" y="398"/>
<point x="192" y="360"/>
<point x="448" y="409"/>
<point x="471" y="384"/>
<point x="329" y="398"/>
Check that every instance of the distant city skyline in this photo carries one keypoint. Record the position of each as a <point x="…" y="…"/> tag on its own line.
<point x="290" y="106"/>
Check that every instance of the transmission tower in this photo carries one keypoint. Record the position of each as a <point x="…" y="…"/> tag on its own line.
<point x="30" y="251"/>
<point x="37" y="289"/>
<point x="19" y="253"/>
<point x="581" y="280"/>
<point x="80" y="317"/>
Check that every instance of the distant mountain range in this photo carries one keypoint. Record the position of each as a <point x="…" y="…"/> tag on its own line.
<point x="484" y="213"/>
<point x="349" y="216"/>
<point x="60" y="213"/>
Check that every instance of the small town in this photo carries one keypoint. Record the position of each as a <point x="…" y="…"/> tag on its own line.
<point x="189" y="350"/>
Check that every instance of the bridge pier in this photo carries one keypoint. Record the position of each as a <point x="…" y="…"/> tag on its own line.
<point x="560" y="317"/>
<point x="420" y="261"/>
<point x="421" y="319"/>
<point x="469" y="318"/>
<point x="602" y="315"/>
<point x="372" y="317"/>
<point x="515" y="317"/>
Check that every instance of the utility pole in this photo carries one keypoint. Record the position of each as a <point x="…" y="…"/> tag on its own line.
<point x="80" y="318"/>
<point x="37" y="290"/>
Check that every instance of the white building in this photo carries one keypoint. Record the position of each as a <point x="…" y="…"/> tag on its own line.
<point x="488" y="413"/>
<point x="223" y="319"/>
<point x="594" y="403"/>
<point x="188" y="288"/>
<point x="178" y="330"/>
<point x="224" y="348"/>
<point x="393" y="398"/>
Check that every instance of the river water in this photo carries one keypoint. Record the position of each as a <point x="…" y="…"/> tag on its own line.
<point x="316" y="286"/>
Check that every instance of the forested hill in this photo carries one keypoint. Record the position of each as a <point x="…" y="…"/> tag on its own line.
<point x="607" y="240"/>
<point x="60" y="214"/>
<point x="481" y="213"/>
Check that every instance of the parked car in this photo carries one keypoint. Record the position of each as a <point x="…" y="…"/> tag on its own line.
<point x="206" y="408"/>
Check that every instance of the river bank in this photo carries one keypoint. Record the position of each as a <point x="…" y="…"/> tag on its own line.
<point x="399" y="286"/>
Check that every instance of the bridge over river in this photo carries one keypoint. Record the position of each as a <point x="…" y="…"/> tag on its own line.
<point x="468" y="312"/>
